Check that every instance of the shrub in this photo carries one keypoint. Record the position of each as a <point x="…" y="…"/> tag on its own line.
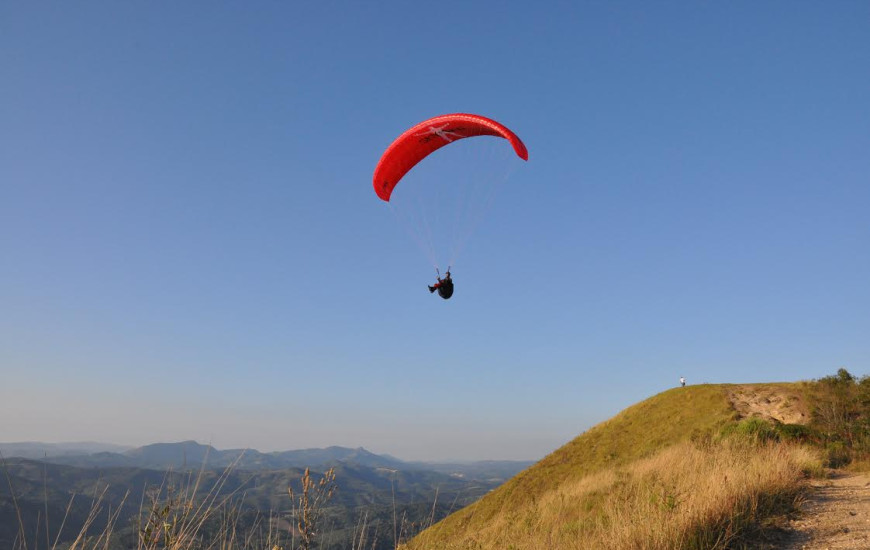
<point x="754" y="429"/>
<point x="837" y="454"/>
<point x="794" y="432"/>
<point x="840" y="422"/>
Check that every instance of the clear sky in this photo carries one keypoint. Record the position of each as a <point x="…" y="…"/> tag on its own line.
<point x="191" y="248"/>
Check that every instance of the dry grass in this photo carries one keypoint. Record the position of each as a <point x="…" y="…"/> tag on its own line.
<point x="638" y="432"/>
<point x="686" y="497"/>
<point x="860" y="465"/>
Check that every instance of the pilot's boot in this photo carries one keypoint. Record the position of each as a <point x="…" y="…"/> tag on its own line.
<point x="431" y="289"/>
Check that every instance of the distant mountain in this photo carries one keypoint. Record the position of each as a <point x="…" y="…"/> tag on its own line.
<point x="190" y="454"/>
<point x="179" y="455"/>
<point x="331" y="455"/>
<point x="38" y="450"/>
<point x="186" y="455"/>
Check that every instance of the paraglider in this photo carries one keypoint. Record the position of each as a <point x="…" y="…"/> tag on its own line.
<point x="421" y="140"/>
<point x="443" y="286"/>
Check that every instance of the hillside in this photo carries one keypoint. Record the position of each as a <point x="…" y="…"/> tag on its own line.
<point x="640" y="431"/>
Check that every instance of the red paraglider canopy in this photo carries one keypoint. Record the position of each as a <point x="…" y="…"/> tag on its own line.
<point x="419" y="141"/>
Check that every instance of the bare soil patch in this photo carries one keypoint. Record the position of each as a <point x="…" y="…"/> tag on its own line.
<point x="769" y="403"/>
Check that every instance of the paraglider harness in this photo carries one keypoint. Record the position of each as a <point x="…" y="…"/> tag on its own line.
<point x="443" y="286"/>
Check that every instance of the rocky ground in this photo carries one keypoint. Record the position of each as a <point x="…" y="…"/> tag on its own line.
<point x="768" y="402"/>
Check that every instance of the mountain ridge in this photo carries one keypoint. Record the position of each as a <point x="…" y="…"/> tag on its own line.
<point x="190" y="453"/>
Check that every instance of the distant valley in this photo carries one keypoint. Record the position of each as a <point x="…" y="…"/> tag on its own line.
<point x="45" y="478"/>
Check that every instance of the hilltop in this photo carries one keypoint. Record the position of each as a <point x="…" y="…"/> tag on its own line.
<point x="679" y="420"/>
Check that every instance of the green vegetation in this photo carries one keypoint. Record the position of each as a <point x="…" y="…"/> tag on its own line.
<point x="840" y="422"/>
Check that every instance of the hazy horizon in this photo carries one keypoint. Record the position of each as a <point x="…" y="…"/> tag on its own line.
<point x="121" y="448"/>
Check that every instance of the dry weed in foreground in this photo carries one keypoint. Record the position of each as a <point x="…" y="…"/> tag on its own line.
<point x="310" y="503"/>
<point x="685" y="497"/>
<point x="186" y="517"/>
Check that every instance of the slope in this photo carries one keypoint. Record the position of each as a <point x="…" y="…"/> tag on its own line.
<point x="637" y="432"/>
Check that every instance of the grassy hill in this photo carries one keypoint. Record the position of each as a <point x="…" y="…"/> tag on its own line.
<point x="553" y="503"/>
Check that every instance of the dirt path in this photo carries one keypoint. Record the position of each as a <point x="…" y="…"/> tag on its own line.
<point x="836" y="515"/>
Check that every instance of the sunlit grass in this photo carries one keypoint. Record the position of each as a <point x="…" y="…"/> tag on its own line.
<point x="681" y="422"/>
<point x="685" y="497"/>
<point x="639" y="431"/>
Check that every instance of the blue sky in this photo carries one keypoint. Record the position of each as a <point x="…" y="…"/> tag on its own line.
<point x="190" y="246"/>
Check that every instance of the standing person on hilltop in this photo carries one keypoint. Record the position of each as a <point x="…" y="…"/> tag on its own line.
<point x="682" y="382"/>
